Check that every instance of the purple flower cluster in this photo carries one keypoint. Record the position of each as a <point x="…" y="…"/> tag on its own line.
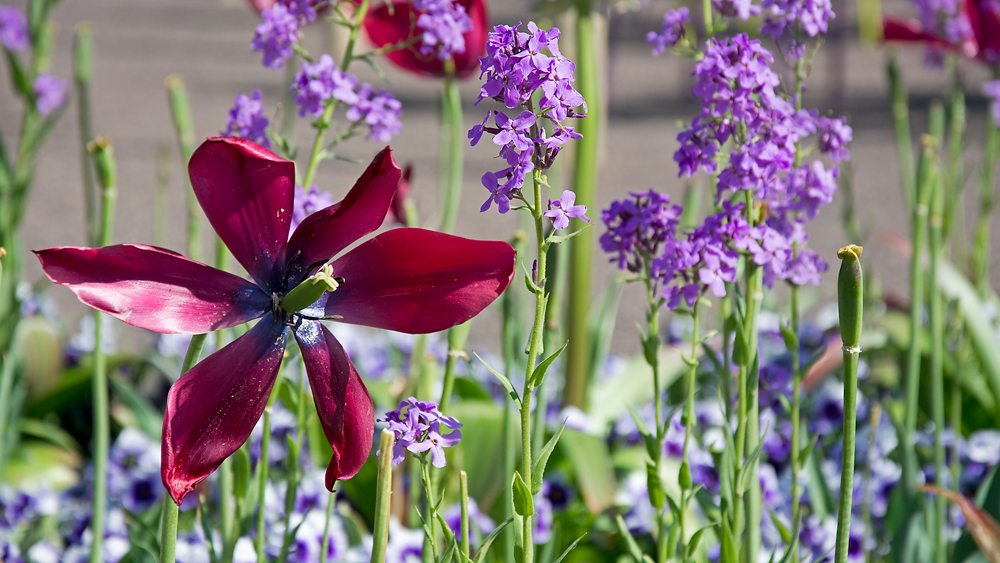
<point x="741" y="9"/>
<point x="380" y="110"/>
<point x="562" y="210"/>
<point x="672" y="32"/>
<point x="637" y="227"/>
<point x="992" y="91"/>
<point x="246" y="119"/>
<point x="444" y="23"/>
<point x="279" y="31"/>
<point x="947" y="18"/>
<point x="417" y="425"/>
<point x="50" y="93"/>
<point x="836" y="134"/>
<point x="307" y="202"/>
<point x="786" y="15"/>
<point x="516" y="66"/>
<point x="13" y="29"/>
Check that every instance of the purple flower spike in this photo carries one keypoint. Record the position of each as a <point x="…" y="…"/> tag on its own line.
<point x="13" y="29"/>
<point x="563" y="210"/>
<point x="276" y="35"/>
<point x="672" y="32"/>
<point x="417" y="425"/>
<point x="246" y="119"/>
<point x="50" y="93"/>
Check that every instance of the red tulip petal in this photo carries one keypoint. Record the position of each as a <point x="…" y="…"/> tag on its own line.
<point x="910" y="31"/>
<point x="212" y="409"/>
<point x="154" y="288"/>
<point x="328" y="231"/>
<point x="385" y="26"/>
<point x="247" y="193"/>
<point x="985" y="23"/>
<point x="345" y="408"/>
<point x="419" y="281"/>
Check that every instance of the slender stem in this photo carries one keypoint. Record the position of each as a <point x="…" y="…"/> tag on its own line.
<point x="431" y="521"/>
<point x="452" y="129"/>
<point x="653" y="338"/>
<point x="752" y="498"/>
<point x="324" y="122"/>
<point x="294" y="467"/>
<point x="901" y="122"/>
<point x="463" y="484"/>
<point x="689" y="420"/>
<point x="180" y="107"/>
<point x="981" y="250"/>
<point x="383" y="494"/>
<point x="456" y="349"/>
<point x="168" y="522"/>
<point x="6" y="384"/>
<point x="796" y="463"/>
<point x="262" y="464"/>
<point x="82" y="65"/>
<point x="937" y="366"/>
<point x="847" y="464"/>
<point x="585" y="176"/>
<point x="331" y="501"/>
<point x="226" y="509"/>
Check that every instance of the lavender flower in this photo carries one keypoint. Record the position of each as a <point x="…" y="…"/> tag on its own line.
<point x="444" y="23"/>
<point x="835" y="134"/>
<point x="246" y="119"/>
<point x="50" y="93"/>
<point x="380" y="110"/>
<point x="417" y="425"/>
<point x="672" y="32"/>
<point x="741" y="9"/>
<point x="811" y="15"/>
<point x="134" y="470"/>
<point x="275" y="36"/>
<point x="638" y="227"/>
<point x="562" y="210"/>
<point x="992" y="91"/>
<point x="306" y="203"/>
<point x="13" y="29"/>
<point x="320" y="81"/>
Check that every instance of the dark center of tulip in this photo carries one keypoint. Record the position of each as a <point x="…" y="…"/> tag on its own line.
<point x="286" y="306"/>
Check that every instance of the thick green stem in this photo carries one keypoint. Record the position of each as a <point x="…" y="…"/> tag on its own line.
<point x="83" y="49"/>
<point x="324" y="121"/>
<point x="749" y="388"/>
<point x="581" y="247"/>
<point x="451" y="173"/>
<point x="265" y="442"/>
<point x="383" y="494"/>
<point x="168" y="521"/>
<point x="651" y="347"/>
<point x="331" y="502"/>
<point x="935" y="222"/>
<point x="689" y="420"/>
<point x="901" y="121"/>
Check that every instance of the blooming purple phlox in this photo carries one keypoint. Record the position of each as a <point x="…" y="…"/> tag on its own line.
<point x="417" y="426"/>
<point x="811" y="16"/>
<point x="13" y="29"/>
<point x="444" y="23"/>
<point x="562" y="210"/>
<point x="306" y="203"/>
<point x="320" y="81"/>
<point x="380" y="110"/>
<point x="637" y="227"/>
<point x="741" y="9"/>
<point x="246" y="119"/>
<point x="672" y="32"/>
<point x="50" y="93"/>
<point x="836" y="134"/>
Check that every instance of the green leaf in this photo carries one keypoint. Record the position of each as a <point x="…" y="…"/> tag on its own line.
<point x="654" y="486"/>
<point x="591" y="464"/>
<point x="684" y="476"/>
<point x="503" y="381"/>
<point x="50" y="432"/>
<point x="539" y="374"/>
<point x="241" y="473"/>
<point x="485" y="547"/>
<point x="523" y="503"/>
<point x="727" y="549"/>
<point x="529" y="282"/>
<point x="752" y="459"/>
<point x="650" y="349"/>
<point x="563" y="238"/>
<point x="673" y="539"/>
<point x="791" y="339"/>
<point x="696" y="537"/>
<point x="783" y="531"/>
<point x="149" y="420"/>
<point x="652" y="444"/>
<point x="570" y="548"/>
<point x="633" y="548"/>
<point x="538" y="468"/>
<point x="741" y="350"/>
<point x="19" y="76"/>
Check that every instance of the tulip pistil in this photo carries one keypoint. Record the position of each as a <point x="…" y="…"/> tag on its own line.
<point x="310" y="290"/>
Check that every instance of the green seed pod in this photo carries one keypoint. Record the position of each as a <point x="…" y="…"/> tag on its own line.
<point x="684" y="477"/>
<point x="103" y="153"/>
<point x="850" y="295"/>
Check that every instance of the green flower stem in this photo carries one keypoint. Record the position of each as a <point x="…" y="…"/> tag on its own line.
<point x="288" y="102"/>
<point x="456" y="349"/>
<point x="180" y="111"/>
<point x="265" y="441"/>
<point x="103" y="156"/>
<point x="925" y="188"/>
<point x="463" y="485"/>
<point x="956" y="172"/>
<point x="383" y="494"/>
<point x="689" y="419"/>
<point x="511" y="305"/>
<point x="706" y="11"/>
<point x="83" y="49"/>
<point x="980" y="265"/>
<point x="331" y="502"/>
<point x="453" y="138"/>
<point x="581" y="247"/>
<point x="651" y="339"/>
<point x="294" y="465"/>
<point x="558" y="265"/>
<point x="749" y="388"/>
<point x="324" y="121"/>
<point x="935" y="221"/>
<point x="901" y="122"/>
<point x="168" y="521"/>
<point x="6" y="383"/>
<point x="795" y="462"/>
<point x="431" y="520"/>
<point x="850" y="301"/>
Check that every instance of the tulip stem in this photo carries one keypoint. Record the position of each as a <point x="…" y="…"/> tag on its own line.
<point x="463" y="484"/>
<point x="651" y="347"/>
<point x="324" y="121"/>
<point x="936" y="318"/>
<point x="901" y="121"/>
<point x="262" y="465"/>
<point x="82" y="65"/>
<point x="180" y="108"/>
<point x="456" y="349"/>
<point x="454" y="142"/>
<point x="383" y="494"/>
<point x="981" y="251"/>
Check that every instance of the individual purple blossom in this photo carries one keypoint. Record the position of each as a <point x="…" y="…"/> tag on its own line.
<point x="320" y="81"/>
<point x="781" y="15"/>
<point x="50" y="93"/>
<point x="992" y="91"/>
<point x="741" y="9"/>
<point x="562" y="210"/>
<point x="275" y="36"/>
<point x="380" y="110"/>
<point x="306" y="203"/>
<point x="444" y="23"/>
<point x="514" y="132"/>
<point x="835" y="134"/>
<point x="246" y="119"/>
<point x="417" y="426"/>
<point x="672" y="32"/>
<point x="13" y="29"/>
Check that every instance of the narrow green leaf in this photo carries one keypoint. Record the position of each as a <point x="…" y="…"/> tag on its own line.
<point x="570" y="548"/>
<point x="563" y="238"/>
<point x="485" y="547"/>
<point x="741" y="350"/>
<point x="783" y="531"/>
<point x="241" y="473"/>
<point x="539" y="374"/>
<point x="652" y="445"/>
<point x="633" y="548"/>
<point x="538" y="468"/>
<point x="529" y="282"/>
<point x="523" y="503"/>
<point x="696" y="537"/>
<point x="791" y="339"/>
<point x="654" y="487"/>
<point x="503" y="381"/>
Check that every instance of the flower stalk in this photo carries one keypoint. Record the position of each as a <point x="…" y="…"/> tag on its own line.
<point x="83" y="50"/>
<point x="180" y="112"/>
<point x="685" y="472"/>
<point x="383" y="494"/>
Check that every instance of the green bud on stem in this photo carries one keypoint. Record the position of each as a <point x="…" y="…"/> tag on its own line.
<point x="103" y="153"/>
<point x="850" y="295"/>
<point x="310" y="290"/>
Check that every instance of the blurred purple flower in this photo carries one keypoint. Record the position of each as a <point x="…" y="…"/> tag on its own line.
<point x="380" y="110"/>
<point x="811" y="15"/>
<point x="836" y="134"/>
<point x="318" y="82"/>
<point x="741" y="9"/>
<point x="50" y="93"/>
<point x="275" y="36"/>
<point x="13" y="30"/>
<point x="306" y="203"/>
<point x="444" y="23"/>
<point x="672" y="32"/>
<point x="246" y="119"/>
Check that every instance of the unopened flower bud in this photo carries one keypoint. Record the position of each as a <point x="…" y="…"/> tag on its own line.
<point x="850" y="295"/>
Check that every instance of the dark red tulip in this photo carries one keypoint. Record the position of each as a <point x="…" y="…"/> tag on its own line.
<point x="983" y="19"/>
<point x="407" y="280"/>
<point x="386" y="26"/>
